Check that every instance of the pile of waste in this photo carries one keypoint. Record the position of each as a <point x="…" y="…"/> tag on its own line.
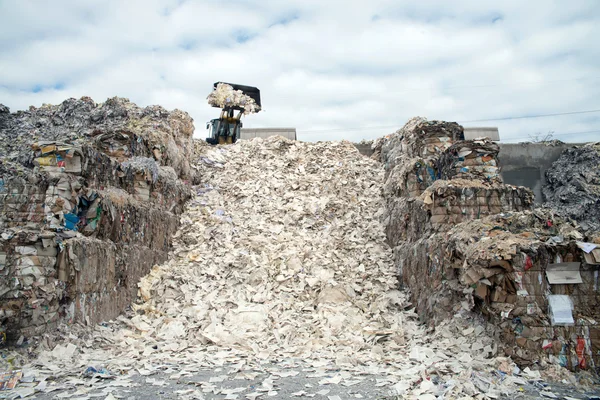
<point x="450" y="179"/>
<point x="464" y="241"/>
<point x="573" y="185"/>
<point x="282" y="260"/>
<point x="225" y="95"/>
<point x="275" y="239"/>
<point x="89" y="198"/>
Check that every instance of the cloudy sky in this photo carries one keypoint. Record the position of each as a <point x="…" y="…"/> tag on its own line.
<point x="351" y="69"/>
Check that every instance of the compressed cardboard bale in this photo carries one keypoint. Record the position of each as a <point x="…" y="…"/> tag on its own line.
<point x="405" y="219"/>
<point x="452" y="195"/>
<point x="504" y="287"/>
<point x="471" y="159"/>
<point x="419" y="138"/>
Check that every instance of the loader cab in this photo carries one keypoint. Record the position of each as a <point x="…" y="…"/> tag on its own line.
<point x="222" y="131"/>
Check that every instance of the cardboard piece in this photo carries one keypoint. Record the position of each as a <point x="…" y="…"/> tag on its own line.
<point x="563" y="273"/>
<point x="592" y="257"/>
<point x="9" y="380"/>
<point x="482" y="290"/>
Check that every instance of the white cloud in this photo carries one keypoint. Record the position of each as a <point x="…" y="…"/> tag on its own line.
<point x="335" y="66"/>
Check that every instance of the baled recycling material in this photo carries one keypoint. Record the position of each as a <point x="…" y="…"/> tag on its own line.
<point x="419" y="138"/>
<point x="479" y="245"/>
<point x="89" y="196"/>
<point x="285" y="258"/>
<point x="471" y="159"/>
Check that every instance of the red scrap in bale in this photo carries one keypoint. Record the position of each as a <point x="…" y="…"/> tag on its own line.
<point x="579" y="350"/>
<point x="528" y="263"/>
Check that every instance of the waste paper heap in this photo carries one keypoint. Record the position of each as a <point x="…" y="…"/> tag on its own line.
<point x="279" y="253"/>
<point x="463" y="240"/>
<point x="281" y="265"/>
<point x="89" y="199"/>
<point x="573" y="185"/>
<point x="225" y="95"/>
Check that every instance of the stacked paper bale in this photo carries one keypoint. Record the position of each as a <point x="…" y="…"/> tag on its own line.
<point x="464" y="240"/>
<point x="419" y="138"/>
<point x="471" y="159"/>
<point x="459" y="200"/>
<point x="451" y="179"/>
<point x="411" y="155"/>
<point x="91" y="195"/>
<point x="504" y="266"/>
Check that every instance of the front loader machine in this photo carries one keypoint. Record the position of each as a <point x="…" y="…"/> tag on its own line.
<point x="230" y="98"/>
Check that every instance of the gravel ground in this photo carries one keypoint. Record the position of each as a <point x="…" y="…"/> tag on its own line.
<point x="164" y="388"/>
<point x="161" y="386"/>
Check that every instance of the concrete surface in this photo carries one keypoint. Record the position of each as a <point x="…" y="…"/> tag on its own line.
<point x="525" y="164"/>
<point x="477" y="132"/>
<point x="249" y="133"/>
<point x="364" y="149"/>
<point x="160" y="386"/>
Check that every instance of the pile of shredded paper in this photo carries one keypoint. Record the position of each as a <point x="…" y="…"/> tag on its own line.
<point x="225" y="96"/>
<point x="281" y="264"/>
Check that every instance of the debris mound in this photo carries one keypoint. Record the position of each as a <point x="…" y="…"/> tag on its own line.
<point x="288" y="255"/>
<point x="573" y="185"/>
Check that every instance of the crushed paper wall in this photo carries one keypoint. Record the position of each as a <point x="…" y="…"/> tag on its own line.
<point x="573" y="185"/>
<point x="90" y="197"/>
<point x="464" y="240"/>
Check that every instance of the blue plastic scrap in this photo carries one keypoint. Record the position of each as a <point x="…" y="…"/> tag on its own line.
<point x="71" y="221"/>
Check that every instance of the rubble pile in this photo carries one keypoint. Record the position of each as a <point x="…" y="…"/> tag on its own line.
<point x="573" y="185"/>
<point x="281" y="264"/>
<point x="225" y="96"/>
<point x="89" y="197"/>
<point x="464" y="241"/>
